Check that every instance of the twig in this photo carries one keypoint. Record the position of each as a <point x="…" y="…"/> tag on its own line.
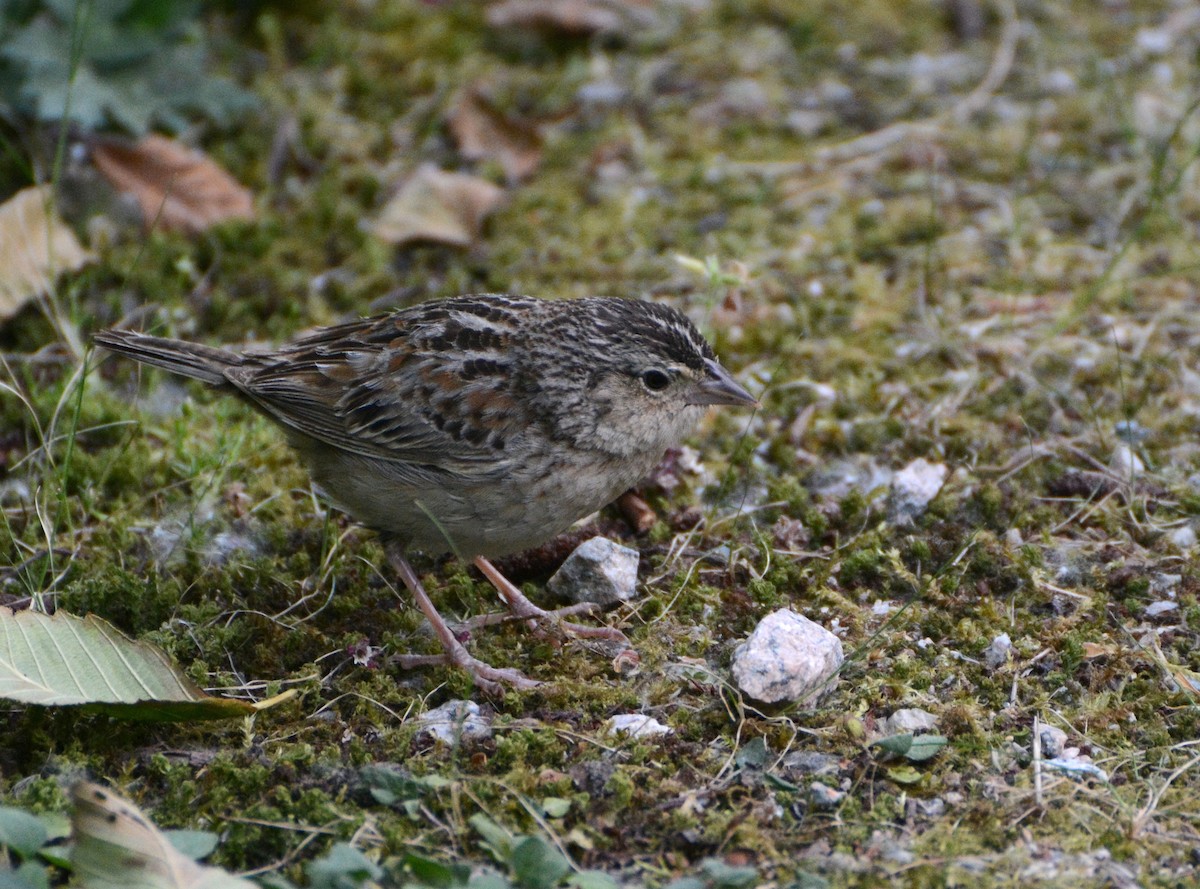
<point x="1037" y="761"/>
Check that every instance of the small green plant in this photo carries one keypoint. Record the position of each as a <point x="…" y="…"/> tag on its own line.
<point x="96" y="64"/>
<point x="25" y="847"/>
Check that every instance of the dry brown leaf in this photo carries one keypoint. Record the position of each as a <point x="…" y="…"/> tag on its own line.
<point x="434" y="205"/>
<point x="35" y="248"/>
<point x="482" y="132"/>
<point x="1093" y="650"/>
<point x="178" y="188"/>
<point x="117" y="846"/>
<point x="573" y="18"/>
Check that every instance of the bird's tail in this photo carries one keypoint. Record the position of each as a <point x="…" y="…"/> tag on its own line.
<point x="178" y="356"/>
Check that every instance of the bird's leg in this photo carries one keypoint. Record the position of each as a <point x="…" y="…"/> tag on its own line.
<point x="487" y="677"/>
<point x="522" y="609"/>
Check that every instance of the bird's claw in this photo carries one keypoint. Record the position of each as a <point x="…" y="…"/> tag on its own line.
<point x="489" y="679"/>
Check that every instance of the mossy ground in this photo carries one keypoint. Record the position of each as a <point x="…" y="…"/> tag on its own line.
<point x="996" y="291"/>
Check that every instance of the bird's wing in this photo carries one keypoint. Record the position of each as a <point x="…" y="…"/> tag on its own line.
<point x="413" y="387"/>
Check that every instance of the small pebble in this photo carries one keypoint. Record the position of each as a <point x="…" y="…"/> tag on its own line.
<point x="1154" y="41"/>
<point x="930" y="808"/>
<point x="637" y="725"/>
<point x="1183" y="538"/>
<point x="1060" y="82"/>
<point x="1077" y="765"/>
<point x="809" y="762"/>
<point x="997" y="654"/>
<point x="913" y="488"/>
<point x="787" y="658"/>
<point x="823" y="796"/>
<point x="1125" y="463"/>
<point x="454" y="722"/>
<point x="601" y="93"/>
<point x="1054" y="741"/>
<point x="908" y="721"/>
<point x="808" y="123"/>
<point x="1162" y="582"/>
<point x="836" y="479"/>
<point x="599" y="571"/>
<point x="1154" y="609"/>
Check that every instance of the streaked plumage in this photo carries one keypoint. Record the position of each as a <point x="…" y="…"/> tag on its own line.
<point x="481" y="425"/>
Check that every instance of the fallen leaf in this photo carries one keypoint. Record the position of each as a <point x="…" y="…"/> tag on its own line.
<point x="570" y="18"/>
<point x="117" y="847"/>
<point x="483" y="133"/>
<point x="1093" y="650"/>
<point x="35" y="248"/>
<point x="904" y="775"/>
<point x="434" y="205"/>
<point x="178" y="188"/>
<point x="914" y="748"/>
<point x="64" y="660"/>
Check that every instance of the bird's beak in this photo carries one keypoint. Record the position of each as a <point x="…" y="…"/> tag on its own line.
<point x="720" y="388"/>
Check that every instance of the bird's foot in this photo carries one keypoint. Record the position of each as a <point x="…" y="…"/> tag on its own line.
<point x="520" y="608"/>
<point x="489" y="679"/>
<point x="531" y="614"/>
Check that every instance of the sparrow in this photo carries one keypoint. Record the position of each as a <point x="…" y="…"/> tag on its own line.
<point x="478" y="425"/>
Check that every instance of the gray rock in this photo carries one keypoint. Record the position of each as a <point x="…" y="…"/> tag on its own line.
<point x="1125" y="463"/>
<point x="929" y="808"/>
<point x="227" y="544"/>
<point x="1054" y="741"/>
<point x="824" y="797"/>
<point x="787" y="658"/>
<point x="599" y="571"/>
<point x="839" y="477"/>
<point x="15" y="490"/>
<point x="808" y="123"/>
<point x="1165" y="583"/>
<point x="455" y="722"/>
<point x="805" y="762"/>
<point x="913" y="488"/>
<point x="1060" y="82"/>
<point x="1162" y="606"/>
<point x="637" y="725"/>
<point x="1183" y="538"/>
<point x="603" y="92"/>
<point x="996" y="654"/>
<point x="908" y="721"/>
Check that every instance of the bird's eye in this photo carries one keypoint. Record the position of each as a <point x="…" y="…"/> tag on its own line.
<point x="655" y="380"/>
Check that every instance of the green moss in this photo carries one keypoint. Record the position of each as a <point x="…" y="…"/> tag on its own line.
<point x="924" y="288"/>
<point x="861" y="567"/>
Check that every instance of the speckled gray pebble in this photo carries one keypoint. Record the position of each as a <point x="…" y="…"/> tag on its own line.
<point x="599" y="571"/>
<point x="787" y="658"/>
<point x="455" y="721"/>
<point x="913" y="488"/>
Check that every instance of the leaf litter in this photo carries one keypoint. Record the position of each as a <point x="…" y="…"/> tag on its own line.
<point x="178" y="188"/>
<point x="36" y="247"/>
<point x="438" y="206"/>
<point x="482" y="132"/>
